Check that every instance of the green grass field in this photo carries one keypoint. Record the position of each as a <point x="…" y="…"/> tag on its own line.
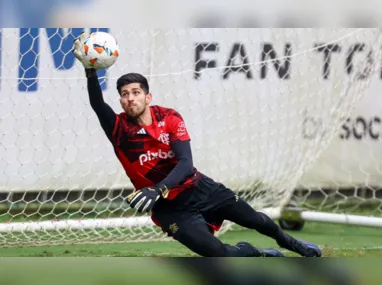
<point x="335" y="241"/>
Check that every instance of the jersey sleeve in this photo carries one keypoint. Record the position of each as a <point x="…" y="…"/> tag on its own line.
<point x="177" y="128"/>
<point x="104" y="112"/>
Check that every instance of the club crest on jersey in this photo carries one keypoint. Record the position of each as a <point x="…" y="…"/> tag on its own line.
<point x="164" y="138"/>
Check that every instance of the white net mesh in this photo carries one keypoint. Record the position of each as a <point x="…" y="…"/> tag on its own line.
<point x="247" y="96"/>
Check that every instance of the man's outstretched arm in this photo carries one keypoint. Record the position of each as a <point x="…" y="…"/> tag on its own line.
<point x="104" y="112"/>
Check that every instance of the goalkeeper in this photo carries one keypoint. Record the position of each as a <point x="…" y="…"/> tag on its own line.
<point x="153" y="146"/>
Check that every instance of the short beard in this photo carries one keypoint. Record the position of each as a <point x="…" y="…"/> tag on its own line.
<point x="137" y="115"/>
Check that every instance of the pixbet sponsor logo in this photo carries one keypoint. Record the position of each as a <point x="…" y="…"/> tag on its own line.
<point x="150" y="155"/>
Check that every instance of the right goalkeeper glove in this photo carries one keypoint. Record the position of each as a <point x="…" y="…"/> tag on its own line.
<point x="144" y="199"/>
<point x="78" y="50"/>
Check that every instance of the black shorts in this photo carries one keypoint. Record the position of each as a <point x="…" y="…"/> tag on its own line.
<point x="200" y="202"/>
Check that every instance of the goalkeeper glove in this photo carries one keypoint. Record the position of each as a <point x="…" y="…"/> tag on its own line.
<point x="144" y="199"/>
<point x="78" y="50"/>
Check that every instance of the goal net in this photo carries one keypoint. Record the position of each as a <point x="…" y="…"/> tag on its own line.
<point x="262" y="106"/>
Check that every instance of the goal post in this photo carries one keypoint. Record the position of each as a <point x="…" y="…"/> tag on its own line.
<point x="263" y="107"/>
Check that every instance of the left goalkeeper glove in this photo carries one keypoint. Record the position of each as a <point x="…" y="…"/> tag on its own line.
<point x="78" y="53"/>
<point x="144" y="199"/>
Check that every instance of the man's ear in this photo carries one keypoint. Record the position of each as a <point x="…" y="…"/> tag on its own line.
<point x="149" y="98"/>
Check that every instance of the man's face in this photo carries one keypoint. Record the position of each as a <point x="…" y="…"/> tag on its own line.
<point x="133" y="99"/>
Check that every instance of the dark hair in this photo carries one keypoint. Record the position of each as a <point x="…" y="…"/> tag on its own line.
<point x="133" y="78"/>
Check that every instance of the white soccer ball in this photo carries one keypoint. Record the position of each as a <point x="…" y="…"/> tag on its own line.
<point x="101" y="50"/>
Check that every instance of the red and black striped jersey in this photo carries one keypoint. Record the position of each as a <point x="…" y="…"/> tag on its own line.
<point x="145" y="151"/>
